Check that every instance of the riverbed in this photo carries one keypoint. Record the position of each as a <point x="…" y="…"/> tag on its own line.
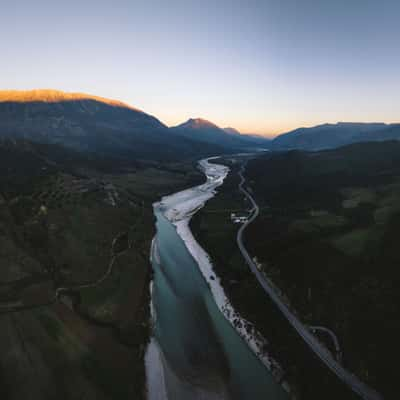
<point x="197" y="351"/>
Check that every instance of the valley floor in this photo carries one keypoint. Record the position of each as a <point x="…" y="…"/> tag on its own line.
<point x="74" y="278"/>
<point x="214" y="229"/>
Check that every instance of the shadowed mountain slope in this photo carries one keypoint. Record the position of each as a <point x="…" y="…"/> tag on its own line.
<point x="92" y="124"/>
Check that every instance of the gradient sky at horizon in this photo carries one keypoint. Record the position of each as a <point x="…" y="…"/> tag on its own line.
<point x="262" y="66"/>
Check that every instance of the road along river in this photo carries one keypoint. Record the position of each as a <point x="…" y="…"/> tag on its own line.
<point x="196" y="352"/>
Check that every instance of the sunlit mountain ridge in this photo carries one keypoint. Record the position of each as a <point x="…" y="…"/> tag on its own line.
<point x="55" y="96"/>
<point x="93" y="124"/>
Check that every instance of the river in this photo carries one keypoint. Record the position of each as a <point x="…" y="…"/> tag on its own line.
<point x="195" y="352"/>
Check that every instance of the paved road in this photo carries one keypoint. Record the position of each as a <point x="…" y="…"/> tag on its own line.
<point x="332" y="336"/>
<point x="344" y="375"/>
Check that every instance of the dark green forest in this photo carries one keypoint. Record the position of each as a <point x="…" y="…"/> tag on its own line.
<point x="328" y="236"/>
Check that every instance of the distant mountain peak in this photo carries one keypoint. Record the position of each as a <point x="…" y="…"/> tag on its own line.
<point x="55" y="96"/>
<point x="208" y="132"/>
<point x="198" y="123"/>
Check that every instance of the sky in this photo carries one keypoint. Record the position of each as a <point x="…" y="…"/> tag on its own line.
<point x="261" y="66"/>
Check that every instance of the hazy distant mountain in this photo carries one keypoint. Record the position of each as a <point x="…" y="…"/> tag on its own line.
<point x="92" y="124"/>
<point x="207" y="132"/>
<point x="334" y="135"/>
<point x="257" y="138"/>
<point x="231" y="131"/>
<point x="253" y="138"/>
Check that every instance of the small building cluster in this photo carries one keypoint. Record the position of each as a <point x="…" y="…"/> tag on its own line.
<point x="238" y="219"/>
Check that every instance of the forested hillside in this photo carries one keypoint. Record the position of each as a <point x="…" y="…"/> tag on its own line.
<point x="327" y="235"/>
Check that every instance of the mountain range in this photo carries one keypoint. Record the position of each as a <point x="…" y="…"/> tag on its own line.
<point x="207" y="132"/>
<point x="93" y="124"/>
<point x="329" y="136"/>
<point x="113" y="129"/>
